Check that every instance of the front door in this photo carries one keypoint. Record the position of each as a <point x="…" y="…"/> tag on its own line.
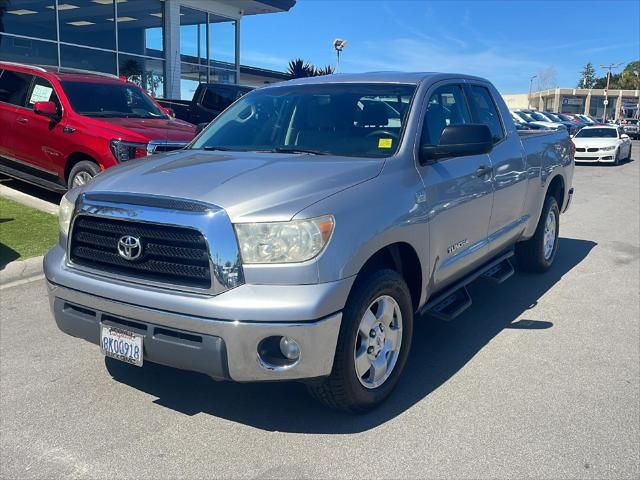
<point x="459" y="192"/>
<point x="39" y="140"/>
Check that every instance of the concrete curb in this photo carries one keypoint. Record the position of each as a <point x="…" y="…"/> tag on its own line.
<point x="28" y="200"/>
<point x="21" y="270"/>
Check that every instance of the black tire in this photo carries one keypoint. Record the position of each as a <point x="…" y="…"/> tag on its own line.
<point x="82" y="169"/>
<point x="530" y="254"/>
<point x="342" y="389"/>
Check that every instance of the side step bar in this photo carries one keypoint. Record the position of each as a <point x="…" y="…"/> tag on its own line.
<point x="454" y="300"/>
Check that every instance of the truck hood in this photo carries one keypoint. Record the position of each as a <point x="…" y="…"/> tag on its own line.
<point x="249" y="186"/>
<point x="150" y="128"/>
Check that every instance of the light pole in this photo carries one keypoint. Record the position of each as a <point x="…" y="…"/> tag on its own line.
<point x="606" y="90"/>
<point x="637" y="74"/>
<point x="530" y="85"/>
<point x="339" y="45"/>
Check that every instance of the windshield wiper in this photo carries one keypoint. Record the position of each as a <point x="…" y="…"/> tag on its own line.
<point x="214" y="147"/>
<point x="298" y="150"/>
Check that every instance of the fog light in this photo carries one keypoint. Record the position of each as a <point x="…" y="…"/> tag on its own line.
<point x="289" y="348"/>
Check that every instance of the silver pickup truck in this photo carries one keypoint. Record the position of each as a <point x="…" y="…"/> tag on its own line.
<point x="302" y="231"/>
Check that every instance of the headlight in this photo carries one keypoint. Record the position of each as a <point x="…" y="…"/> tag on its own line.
<point x="65" y="213"/>
<point x="284" y="242"/>
<point x="124" y="151"/>
<point x="606" y="149"/>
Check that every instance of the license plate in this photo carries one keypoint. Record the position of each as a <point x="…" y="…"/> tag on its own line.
<point x="121" y="344"/>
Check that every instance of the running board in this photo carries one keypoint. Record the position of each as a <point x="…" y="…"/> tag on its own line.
<point x="452" y="301"/>
<point x="500" y="272"/>
<point x="452" y="306"/>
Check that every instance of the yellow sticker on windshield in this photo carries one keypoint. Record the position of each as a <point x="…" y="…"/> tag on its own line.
<point x="385" y="142"/>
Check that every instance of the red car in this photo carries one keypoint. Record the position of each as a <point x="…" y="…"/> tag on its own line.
<point x="60" y="127"/>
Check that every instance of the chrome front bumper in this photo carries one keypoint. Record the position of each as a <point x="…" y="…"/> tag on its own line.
<point x="217" y="335"/>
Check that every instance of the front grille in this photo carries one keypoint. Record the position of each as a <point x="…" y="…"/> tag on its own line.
<point x="592" y="150"/>
<point x="170" y="255"/>
<point x="580" y="149"/>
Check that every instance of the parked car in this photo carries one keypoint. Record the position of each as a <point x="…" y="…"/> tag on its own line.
<point x="570" y="125"/>
<point x="304" y="229"/>
<point x="61" y="127"/>
<point x="602" y="144"/>
<point x="208" y="101"/>
<point x="631" y="127"/>
<point x="533" y="117"/>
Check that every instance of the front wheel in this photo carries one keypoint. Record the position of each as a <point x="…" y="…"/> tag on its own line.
<point x="537" y="253"/>
<point x="373" y="345"/>
<point x="82" y="173"/>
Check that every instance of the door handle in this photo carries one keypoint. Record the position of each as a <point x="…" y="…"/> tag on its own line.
<point x="23" y="120"/>
<point x="483" y="170"/>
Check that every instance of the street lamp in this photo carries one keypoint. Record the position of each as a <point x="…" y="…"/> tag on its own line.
<point x="339" y="45"/>
<point x="530" y="85"/>
<point x="637" y="74"/>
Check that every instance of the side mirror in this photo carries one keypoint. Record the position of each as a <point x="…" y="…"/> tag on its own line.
<point x="48" y="109"/>
<point x="458" y="141"/>
<point x="169" y="111"/>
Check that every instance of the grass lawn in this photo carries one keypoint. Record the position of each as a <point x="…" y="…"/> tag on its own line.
<point x="24" y="231"/>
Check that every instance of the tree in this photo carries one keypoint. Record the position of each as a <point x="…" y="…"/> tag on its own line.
<point x="587" y="77"/>
<point x="298" y="68"/>
<point x="547" y="78"/>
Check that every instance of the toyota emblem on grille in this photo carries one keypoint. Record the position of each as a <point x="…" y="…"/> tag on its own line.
<point x="129" y="247"/>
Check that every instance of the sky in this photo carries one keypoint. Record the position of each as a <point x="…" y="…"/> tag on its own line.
<point x="505" y="41"/>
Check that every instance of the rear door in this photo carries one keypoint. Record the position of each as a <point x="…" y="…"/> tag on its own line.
<point x="509" y="168"/>
<point x="39" y="139"/>
<point x="459" y="191"/>
<point x="14" y="87"/>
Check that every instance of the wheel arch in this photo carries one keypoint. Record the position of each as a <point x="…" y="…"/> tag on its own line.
<point x="401" y="257"/>
<point x="74" y="159"/>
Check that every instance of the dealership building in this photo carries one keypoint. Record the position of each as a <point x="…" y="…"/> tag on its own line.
<point x="167" y="46"/>
<point x="620" y="103"/>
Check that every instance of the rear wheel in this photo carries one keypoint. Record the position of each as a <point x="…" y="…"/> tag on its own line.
<point x="537" y="253"/>
<point x="373" y="345"/>
<point x="82" y="173"/>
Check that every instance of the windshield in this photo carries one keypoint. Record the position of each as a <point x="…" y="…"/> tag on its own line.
<point x="552" y="116"/>
<point x="112" y="100"/>
<point x="598" y="132"/>
<point x="355" y="120"/>
<point x="539" y="117"/>
<point x="564" y="117"/>
<point x="524" y="116"/>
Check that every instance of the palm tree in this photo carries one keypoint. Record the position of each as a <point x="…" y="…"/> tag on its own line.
<point x="298" y="68"/>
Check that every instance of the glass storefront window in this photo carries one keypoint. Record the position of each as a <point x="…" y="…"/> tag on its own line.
<point x="219" y="75"/>
<point x="193" y="36"/>
<point x="222" y="42"/>
<point x="88" y="59"/>
<point x="596" y="107"/>
<point x="91" y="24"/>
<point x="145" y="72"/>
<point x="191" y="76"/>
<point x="32" y="18"/>
<point x="142" y="33"/>
<point x="15" y="49"/>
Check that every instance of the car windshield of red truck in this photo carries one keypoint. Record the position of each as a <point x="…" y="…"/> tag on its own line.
<point x="110" y="100"/>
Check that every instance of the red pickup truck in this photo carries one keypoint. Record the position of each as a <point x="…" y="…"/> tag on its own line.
<point x="60" y="127"/>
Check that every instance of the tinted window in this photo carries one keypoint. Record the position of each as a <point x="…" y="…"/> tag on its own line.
<point x="42" y="91"/>
<point x="354" y="120"/>
<point x="110" y="100"/>
<point x="484" y="111"/>
<point x="14" y="87"/>
<point x="446" y="107"/>
<point x="218" y="98"/>
<point x="597" y="132"/>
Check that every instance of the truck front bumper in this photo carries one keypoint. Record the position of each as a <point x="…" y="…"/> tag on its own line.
<point x="219" y="336"/>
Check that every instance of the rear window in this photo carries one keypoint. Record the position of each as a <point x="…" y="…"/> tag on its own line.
<point x="14" y="87"/>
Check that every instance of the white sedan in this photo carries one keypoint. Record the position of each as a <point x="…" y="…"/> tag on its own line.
<point x="602" y="144"/>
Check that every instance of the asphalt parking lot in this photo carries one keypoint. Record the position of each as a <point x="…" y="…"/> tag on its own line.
<point x="539" y="379"/>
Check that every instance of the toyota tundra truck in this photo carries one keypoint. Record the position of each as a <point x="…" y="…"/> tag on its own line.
<point x="300" y="235"/>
